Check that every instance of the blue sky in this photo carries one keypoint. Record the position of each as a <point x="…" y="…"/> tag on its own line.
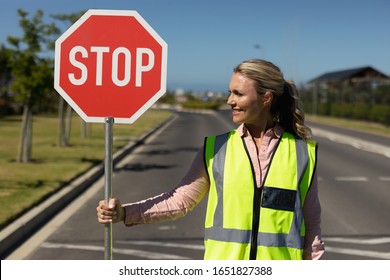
<point x="206" y="39"/>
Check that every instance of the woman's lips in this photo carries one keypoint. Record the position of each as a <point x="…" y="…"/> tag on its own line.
<point x="236" y="111"/>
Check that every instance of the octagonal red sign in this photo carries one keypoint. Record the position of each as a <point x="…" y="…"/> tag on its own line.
<point x="110" y="64"/>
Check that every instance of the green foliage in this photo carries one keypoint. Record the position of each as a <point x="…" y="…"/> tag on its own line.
<point x="368" y="105"/>
<point x="5" y="67"/>
<point x="68" y="18"/>
<point x="168" y="98"/>
<point x="381" y="95"/>
<point x="199" y="104"/>
<point x="380" y="114"/>
<point x="359" y="111"/>
<point x="5" y="79"/>
<point x="32" y="72"/>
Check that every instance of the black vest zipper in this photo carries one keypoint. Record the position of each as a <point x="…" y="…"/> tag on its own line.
<point x="256" y="204"/>
<point x="255" y="222"/>
<point x="256" y="210"/>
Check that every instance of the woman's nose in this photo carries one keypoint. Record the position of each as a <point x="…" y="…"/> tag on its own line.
<point x="230" y="100"/>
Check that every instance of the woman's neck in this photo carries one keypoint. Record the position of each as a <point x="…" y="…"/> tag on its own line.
<point x="257" y="131"/>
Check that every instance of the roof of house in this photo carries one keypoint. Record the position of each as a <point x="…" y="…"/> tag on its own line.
<point x="346" y="74"/>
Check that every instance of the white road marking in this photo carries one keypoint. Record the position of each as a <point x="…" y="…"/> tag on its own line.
<point x="129" y="252"/>
<point x="356" y="178"/>
<point x="349" y="140"/>
<point x="168" y="227"/>
<point x="54" y="224"/>
<point x="164" y="244"/>
<point x="351" y="179"/>
<point x="40" y="236"/>
<point x="371" y="241"/>
<point x="161" y="256"/>
<point x="355" y="252"/>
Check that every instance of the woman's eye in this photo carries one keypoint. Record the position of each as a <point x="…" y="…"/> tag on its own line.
<point x="236" y="93"/>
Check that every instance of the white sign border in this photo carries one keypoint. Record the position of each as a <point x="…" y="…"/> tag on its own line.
<point x="152" y="32"/>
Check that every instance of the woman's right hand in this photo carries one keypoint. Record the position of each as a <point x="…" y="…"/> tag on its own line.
<point x="110" y="212"/>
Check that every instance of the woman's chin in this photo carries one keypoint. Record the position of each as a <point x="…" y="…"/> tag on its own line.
<point x="237" y="120"/>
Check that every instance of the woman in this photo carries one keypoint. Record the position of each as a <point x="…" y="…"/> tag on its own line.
<point x="261" y="178"/>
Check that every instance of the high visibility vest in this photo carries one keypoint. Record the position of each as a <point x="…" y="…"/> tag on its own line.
<point x="244" y="221"/>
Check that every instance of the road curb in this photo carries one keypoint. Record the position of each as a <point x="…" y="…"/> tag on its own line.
<point x="18" y="231"/>
<point x="348" y="140"/>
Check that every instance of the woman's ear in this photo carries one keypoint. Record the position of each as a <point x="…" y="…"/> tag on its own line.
<point x="267" y="98"/>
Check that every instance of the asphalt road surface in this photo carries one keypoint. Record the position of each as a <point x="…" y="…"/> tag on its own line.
<point x="354" y="194"/>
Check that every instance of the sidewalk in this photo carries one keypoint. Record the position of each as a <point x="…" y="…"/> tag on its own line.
<point x="348" y="140"/>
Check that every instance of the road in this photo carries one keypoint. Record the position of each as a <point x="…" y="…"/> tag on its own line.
<point x="354" y="193"/>
<point x="355" y="198"/>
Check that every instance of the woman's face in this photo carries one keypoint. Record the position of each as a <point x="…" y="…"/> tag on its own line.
<point x="247" y="105"/>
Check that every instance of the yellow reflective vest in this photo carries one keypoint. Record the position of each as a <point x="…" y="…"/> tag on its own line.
<point x="244" y="221"/>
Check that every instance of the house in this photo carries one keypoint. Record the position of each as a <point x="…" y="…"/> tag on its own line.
<point x="361" y="78"/>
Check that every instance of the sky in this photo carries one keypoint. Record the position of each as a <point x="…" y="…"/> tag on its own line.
<point x="208" y="38"/>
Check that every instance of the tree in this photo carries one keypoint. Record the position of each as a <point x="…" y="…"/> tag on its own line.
<point x="32" y="72"/>
<point x="5" y="79"/>
<point x="64" y="110"/>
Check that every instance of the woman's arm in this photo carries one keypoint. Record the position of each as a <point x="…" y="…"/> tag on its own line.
<point x="314" y="247"/>
<point x="174" y="204"/>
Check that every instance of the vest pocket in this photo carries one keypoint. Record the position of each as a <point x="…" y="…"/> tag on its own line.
<point x="278" y="199"/>
<point x="277" y="210"/>
<point x="275" y="222"/>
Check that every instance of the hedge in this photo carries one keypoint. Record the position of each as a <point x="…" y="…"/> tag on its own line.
<point x="358" y="111"/>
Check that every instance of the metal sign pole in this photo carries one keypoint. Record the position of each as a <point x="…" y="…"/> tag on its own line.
<point x="108" y="124"/>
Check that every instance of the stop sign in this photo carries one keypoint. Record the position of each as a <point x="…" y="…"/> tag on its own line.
<point x="110" y="64"/>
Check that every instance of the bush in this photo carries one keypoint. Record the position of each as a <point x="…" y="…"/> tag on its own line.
<point x="358" y="111"/>
<point x="381" y="114"/>
<point x="361" y="111"/>
<point x="341" y="110"/>
<point x="198" y="104"/>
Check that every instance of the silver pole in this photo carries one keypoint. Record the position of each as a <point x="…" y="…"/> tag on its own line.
<point x="108" y="124"/>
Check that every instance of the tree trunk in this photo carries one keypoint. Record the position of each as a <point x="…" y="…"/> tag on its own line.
<point x="85" y="129"/>
<point x="68" y="124"/>
<point x="25" y="141"/>
<point x="61" y="123"/>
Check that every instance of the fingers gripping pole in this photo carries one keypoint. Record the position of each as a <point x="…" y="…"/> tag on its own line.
<point x="108" y="124"/>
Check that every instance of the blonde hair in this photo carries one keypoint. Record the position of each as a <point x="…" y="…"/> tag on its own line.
<point x="286" y="108"/>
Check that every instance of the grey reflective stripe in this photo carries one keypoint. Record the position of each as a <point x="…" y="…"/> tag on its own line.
<point x="228" y="235"/>
<point x="302" y="158"/>
<point x="263" y="239"/>
<point x="218" y="173"/>
<point x="294" y="235"/>
<point x="280" y="240"/>
<point x="218" y="233"/>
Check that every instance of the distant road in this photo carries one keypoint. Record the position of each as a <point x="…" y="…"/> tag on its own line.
<point x="377" y="139"/>
<point x="354" y="193"/>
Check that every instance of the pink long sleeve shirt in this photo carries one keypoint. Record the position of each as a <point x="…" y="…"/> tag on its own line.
<point x="195" y="185"/>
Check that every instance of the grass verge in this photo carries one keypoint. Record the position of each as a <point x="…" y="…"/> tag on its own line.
<point x="24" y="185"/>
<point x="365" y="126"/>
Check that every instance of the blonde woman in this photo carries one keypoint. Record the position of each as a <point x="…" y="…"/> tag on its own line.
<point x="261" y="177"/>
